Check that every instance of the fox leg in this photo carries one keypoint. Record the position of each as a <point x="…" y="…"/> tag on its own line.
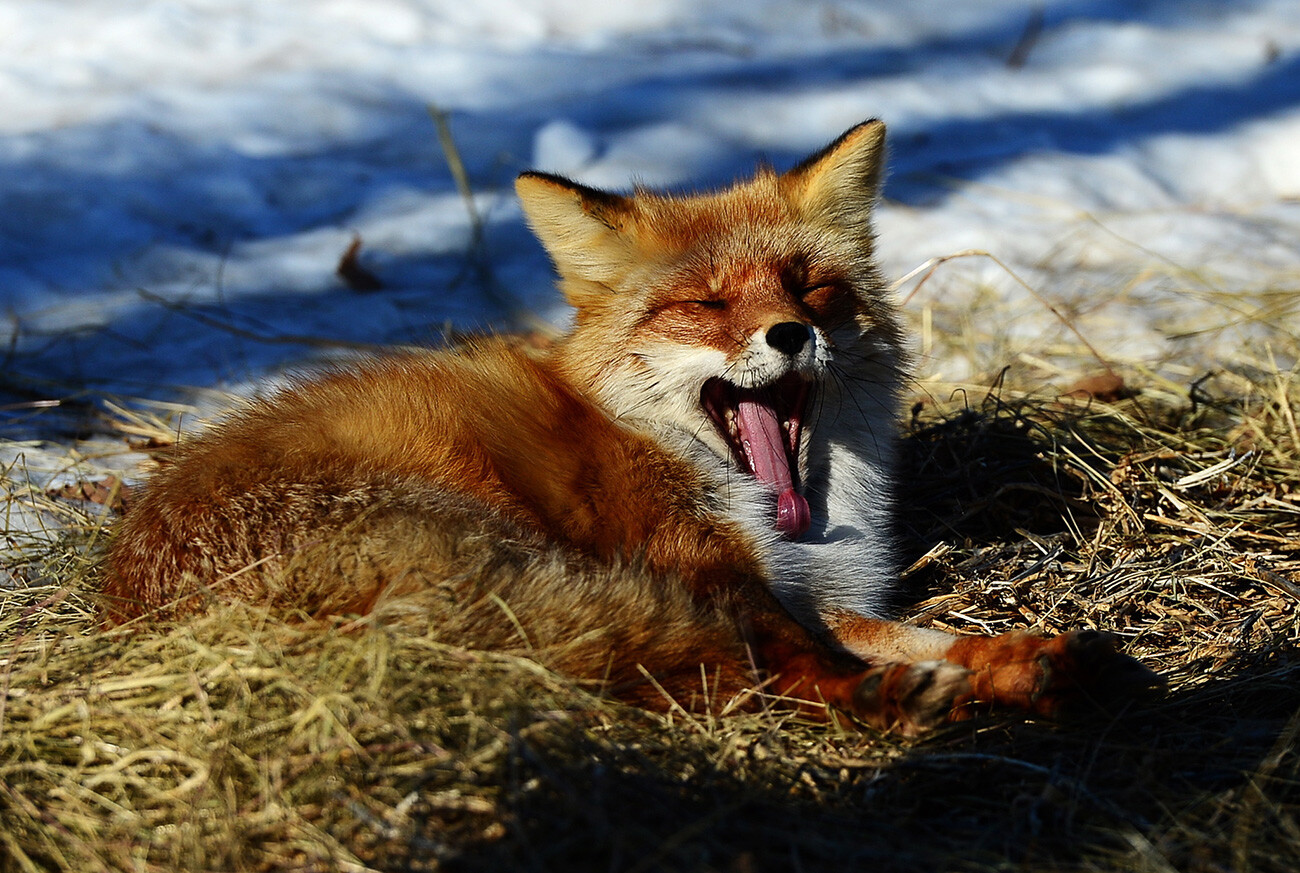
<point x="822" y="681"/>
<point x="1050" y="676"/>
<point x="820" y="684"/>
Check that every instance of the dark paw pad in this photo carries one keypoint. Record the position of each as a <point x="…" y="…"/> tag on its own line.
<point x="1094" y="674"/>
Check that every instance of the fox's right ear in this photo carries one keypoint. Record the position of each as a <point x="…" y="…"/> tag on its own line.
<point x="585" y="231"/>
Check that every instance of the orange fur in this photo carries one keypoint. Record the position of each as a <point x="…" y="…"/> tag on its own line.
<point x="687" y="496"/>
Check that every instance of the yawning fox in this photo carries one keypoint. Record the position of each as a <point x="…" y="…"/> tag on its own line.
<point x="687" y="500"/>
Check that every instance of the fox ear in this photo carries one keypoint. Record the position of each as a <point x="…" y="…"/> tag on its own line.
<point x="840" y="183"/>
<point x="582" y="229"/>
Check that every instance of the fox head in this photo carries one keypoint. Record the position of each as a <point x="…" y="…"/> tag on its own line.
<point x="752" y="319"/>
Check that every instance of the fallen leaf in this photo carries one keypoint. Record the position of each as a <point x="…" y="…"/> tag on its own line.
<point x="355" y="276"/>
<point x="109" y="491"/>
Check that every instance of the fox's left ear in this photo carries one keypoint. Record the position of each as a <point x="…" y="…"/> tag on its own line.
<point x="841" y="183"/>
<point x="585" y="231"/>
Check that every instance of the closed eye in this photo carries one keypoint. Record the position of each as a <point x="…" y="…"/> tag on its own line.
<point x="710" y="304"/>
<point x="830" y="286"/>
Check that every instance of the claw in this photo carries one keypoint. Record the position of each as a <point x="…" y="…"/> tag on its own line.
<point x="910" y="699"/>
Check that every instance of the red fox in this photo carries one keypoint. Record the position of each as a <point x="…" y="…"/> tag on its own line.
<point x="686" y="500"/>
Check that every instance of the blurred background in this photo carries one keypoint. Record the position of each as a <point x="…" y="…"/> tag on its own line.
<point x="181" y="180"/>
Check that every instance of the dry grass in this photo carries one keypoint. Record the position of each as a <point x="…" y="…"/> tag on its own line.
<point x="239" y="743"/>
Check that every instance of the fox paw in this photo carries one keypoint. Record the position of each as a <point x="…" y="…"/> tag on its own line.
<point x="1058" y="676"/>
<point x="910" y="699"/>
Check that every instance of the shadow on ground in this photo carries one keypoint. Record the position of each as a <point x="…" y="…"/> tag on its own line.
<point x="1206" y="780"/>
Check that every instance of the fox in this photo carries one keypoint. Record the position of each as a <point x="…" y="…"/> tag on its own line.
<point x="686" y="501"/>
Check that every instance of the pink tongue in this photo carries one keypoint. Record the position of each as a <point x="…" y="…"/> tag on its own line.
<point x="792" y="516"/>
<point x="760" y="431"/>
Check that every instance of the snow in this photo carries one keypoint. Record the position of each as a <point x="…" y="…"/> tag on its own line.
<point x="181" y="177"/>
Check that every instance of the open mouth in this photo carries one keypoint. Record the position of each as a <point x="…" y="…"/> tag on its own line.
<point x="762" y="426"/>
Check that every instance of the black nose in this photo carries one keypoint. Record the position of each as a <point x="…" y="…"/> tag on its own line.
<point x="788" y="337"/>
